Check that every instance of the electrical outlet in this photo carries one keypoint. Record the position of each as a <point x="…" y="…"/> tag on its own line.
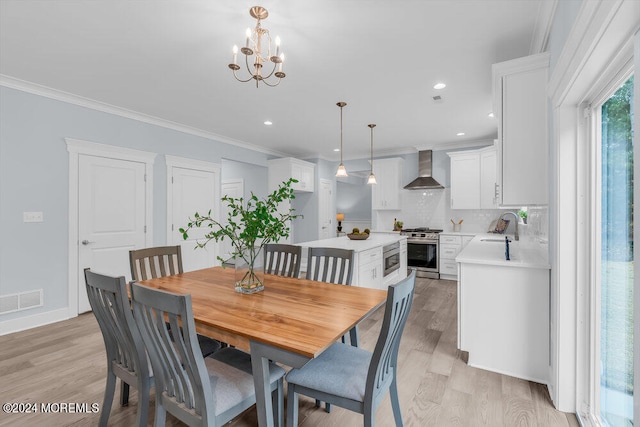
<point x="32" y="217"/>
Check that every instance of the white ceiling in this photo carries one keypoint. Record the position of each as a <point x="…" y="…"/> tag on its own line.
<point x="168" y="59"/>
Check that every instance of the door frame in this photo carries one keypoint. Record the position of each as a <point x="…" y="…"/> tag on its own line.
<point x="77" y="147"/>
<point x="185" y="163"/>
<point x="332" y="208"/>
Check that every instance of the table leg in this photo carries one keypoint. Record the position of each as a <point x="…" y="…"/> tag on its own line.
<point x="260" y="356"/>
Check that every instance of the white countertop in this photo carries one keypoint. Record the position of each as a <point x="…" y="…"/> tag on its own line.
<point x="375" y="240"/>
<point x="525" y="253"/>
<point x="457" y="233"/>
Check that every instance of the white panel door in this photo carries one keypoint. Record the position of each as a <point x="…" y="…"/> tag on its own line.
<point x="194" y="191"/>
<point x="326" y="211"/>
<point x="111" y="217"/>
<point x="232" y="188"/>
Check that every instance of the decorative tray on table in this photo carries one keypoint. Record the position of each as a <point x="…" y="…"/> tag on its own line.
<point x="360" y="236"/>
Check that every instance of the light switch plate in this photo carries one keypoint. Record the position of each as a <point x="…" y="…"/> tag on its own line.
<point x="32" y="217"/>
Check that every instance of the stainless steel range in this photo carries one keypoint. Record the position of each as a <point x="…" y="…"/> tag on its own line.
<point x="423" y="251"/>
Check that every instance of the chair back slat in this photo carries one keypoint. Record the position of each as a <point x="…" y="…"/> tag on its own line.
<point x="282" y="260"/>
<point x="385" y="354"/>
<point x="178" y="365"/>
<point x="110" y="304"/>
<point x="151" y="263"/>
<point x="330" y="265"/>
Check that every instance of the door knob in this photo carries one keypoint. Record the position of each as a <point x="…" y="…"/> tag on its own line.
<point x="86" y="242"/>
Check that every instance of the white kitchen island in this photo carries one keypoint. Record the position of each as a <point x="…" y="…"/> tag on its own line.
<point x="503" y="306"/>
<point x="368" y="266"/>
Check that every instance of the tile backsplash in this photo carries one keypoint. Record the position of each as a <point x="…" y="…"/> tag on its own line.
<point x="431" y="208"/>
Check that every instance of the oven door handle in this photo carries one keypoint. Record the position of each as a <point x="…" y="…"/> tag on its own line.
<point x="422" y="241"/>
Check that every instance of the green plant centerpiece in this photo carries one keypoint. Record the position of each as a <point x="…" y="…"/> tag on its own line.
<point x="250" y="226"/>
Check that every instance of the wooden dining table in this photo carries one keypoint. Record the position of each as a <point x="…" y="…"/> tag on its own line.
<point x="290" y="322"/>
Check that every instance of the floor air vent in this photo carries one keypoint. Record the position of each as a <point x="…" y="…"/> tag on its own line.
<point x="21" y="301"/>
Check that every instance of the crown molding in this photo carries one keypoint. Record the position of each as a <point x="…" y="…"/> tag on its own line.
<point x="472" y="143"/>
<point x="542" y="29"/>
<point x="70" y="98"/>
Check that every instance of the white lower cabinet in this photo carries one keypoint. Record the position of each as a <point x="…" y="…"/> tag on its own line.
<point x="450" y="247"/>
<point x="503" y="318"/>
<point x="370" y="268"/>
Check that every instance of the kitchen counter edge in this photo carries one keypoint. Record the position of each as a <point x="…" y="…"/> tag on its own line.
<point x="526" y="253"/>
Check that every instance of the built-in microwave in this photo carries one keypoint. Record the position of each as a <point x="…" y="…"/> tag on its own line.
<point x="391" y="257"/>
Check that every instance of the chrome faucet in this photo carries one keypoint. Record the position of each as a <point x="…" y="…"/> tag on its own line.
<point x="515" y="224"/>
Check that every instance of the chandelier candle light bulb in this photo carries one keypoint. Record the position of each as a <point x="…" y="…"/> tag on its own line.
<point x="255" y="45"/>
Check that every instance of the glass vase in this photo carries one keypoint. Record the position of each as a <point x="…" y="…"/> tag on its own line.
<point x="249" y="272"/>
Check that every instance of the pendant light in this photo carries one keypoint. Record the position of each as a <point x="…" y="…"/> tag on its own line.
<point x="372" y="177"/>
<point x="342" y="171"/>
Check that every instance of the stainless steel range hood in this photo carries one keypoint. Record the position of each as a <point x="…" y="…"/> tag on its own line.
<point x="424" y="180"/>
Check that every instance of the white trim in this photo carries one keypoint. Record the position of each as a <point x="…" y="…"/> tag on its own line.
<point x="600" y="30"/>
<point x="636" y="234"/>
<point x="544" y="20"/>
<point x="35" y="320"/>
<point x="185" y="163"/>
<point x="111" y="151"/>
<point x="36" y="89"/>
<point x="199" y="165"/>
<point x="471" y="143"/>
<point x="77" y="147"/>
<point x="597" y="42"/>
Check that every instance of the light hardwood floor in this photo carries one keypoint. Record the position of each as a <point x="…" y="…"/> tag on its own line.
<point x="65" y="362"/>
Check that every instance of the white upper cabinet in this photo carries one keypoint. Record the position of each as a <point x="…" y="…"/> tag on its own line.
<point x="465" y="180"/>
<point x="282" y="169"/>
<point x="386" y="193"/>
<point x="520" y="105"/>
<point x="488" y="178"/>
<point x="473" y="179"/>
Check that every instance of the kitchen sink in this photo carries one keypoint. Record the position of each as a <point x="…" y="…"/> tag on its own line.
<point x="494" y="240"/>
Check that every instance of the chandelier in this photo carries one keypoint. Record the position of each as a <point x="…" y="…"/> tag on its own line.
<point x="372" y="177"/>
<point x="342" y="171"/>
<point x="256" y="44"/>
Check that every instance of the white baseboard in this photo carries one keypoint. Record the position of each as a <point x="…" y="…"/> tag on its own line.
<point x="28" y="322"/>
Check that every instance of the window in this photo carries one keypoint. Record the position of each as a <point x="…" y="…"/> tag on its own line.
<point x="615" y="120"/>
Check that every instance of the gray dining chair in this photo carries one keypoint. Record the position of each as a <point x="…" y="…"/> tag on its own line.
<point x="198" y="391"/>
<point x="126" y="355"/>
<point x="282" y="260"/>
<point x="354" y="378"/>
<point x="330" y="265"/>
<point x="161" y="261"/>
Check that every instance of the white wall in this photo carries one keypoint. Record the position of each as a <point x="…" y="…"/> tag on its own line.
<point x="252" y="175"/>
<point x="34" y="177"/>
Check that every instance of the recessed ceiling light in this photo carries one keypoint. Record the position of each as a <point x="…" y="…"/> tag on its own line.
<point x="268" y="123"/>
<point x="336" y="149"/>
<point x="491" y="115"/>
<point x="460" y="134"/>
<point x="439" y="86"/>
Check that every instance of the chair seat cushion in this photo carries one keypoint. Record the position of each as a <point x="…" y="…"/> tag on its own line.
<point x="231" y="377"/>
<point x="340" y="370"/>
